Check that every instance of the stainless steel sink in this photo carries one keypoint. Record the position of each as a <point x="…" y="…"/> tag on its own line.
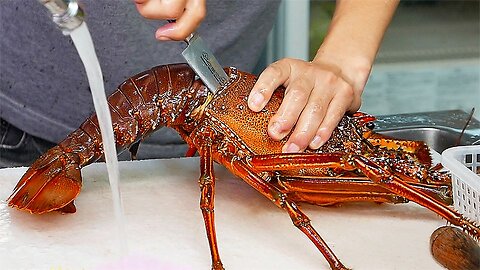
<point x="439" y="130"/>
<point x="437" y="138"/>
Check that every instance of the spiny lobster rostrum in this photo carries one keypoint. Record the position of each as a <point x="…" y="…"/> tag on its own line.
<point x="356" y="164"/>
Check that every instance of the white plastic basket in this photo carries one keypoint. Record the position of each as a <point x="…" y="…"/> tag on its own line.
<point x="463" y="162"/>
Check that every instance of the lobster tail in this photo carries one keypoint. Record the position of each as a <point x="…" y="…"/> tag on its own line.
<point x="146" y="102"/>
<point x="139" y="106"/>
<point x="51" y="183"/>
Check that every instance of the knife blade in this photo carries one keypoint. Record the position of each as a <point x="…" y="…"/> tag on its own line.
<point x="201" y="59"/>
<point x="203" y="62"/>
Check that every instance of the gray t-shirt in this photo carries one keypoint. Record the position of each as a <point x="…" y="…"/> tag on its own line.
<point x="43" y="86"/>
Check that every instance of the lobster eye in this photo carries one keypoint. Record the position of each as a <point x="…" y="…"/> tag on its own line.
<point x="370" y="125"/>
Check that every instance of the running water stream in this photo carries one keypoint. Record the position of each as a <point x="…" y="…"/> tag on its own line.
<point x="84" y="44"/>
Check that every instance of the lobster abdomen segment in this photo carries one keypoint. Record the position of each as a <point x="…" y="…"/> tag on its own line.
<point x="137" y="106"/>
<point x="140" y="105"/>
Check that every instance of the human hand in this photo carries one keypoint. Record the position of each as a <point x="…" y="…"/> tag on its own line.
<point x="316" y="98"/>
<point x="318" y="93"/>
<point x="187" y="13"/>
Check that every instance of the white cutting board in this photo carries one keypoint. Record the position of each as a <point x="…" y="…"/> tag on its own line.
<point x="164" y="227"/>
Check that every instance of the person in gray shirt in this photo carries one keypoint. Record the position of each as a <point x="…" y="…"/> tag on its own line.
<point x="44" y="94"/>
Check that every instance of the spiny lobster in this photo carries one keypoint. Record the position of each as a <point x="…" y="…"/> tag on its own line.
<point x="356" y="164"/>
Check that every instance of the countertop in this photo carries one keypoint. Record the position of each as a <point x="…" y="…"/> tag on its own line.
<point x="164" y="227"/>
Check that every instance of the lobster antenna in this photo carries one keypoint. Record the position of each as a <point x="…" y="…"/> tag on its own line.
<point x="465" y="127"/>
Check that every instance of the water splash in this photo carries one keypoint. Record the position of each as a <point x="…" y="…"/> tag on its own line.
<point x="84" y="44"/>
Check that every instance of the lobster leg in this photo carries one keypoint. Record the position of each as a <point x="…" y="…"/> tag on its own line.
<point x="191" y="151"/>
<point x="396" y="185"/>
<point x="207" y="187"/>
<point x="297" y="161"/>
<point x="133" y="149"/>
<point x="373" y="171"/>
<point x="299" y="219"/>
<point x="323" y="190"/>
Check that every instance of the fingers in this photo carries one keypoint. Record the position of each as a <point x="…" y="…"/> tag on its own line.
<point x="186" y="23"/>
<point x="294" y="105"/>
<point x="306" y="129"/>
<point x="316" y="99"/>
<point x="329" y="99"/>
<point x="271" y="78"/>
<point x="341" y="102"/>
<point x="187" y="13"/>
<point x="160" y="9"/>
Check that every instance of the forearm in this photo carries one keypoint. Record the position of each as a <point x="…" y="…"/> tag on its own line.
<point x="354" y="37"/>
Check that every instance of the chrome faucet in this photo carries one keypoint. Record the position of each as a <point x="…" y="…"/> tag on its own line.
<point x="65" y="13"/>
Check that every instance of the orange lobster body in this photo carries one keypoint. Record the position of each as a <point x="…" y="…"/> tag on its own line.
<point x="354" y="165"/>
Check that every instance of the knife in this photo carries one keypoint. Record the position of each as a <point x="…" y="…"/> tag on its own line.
<point x="201" y="59"/>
